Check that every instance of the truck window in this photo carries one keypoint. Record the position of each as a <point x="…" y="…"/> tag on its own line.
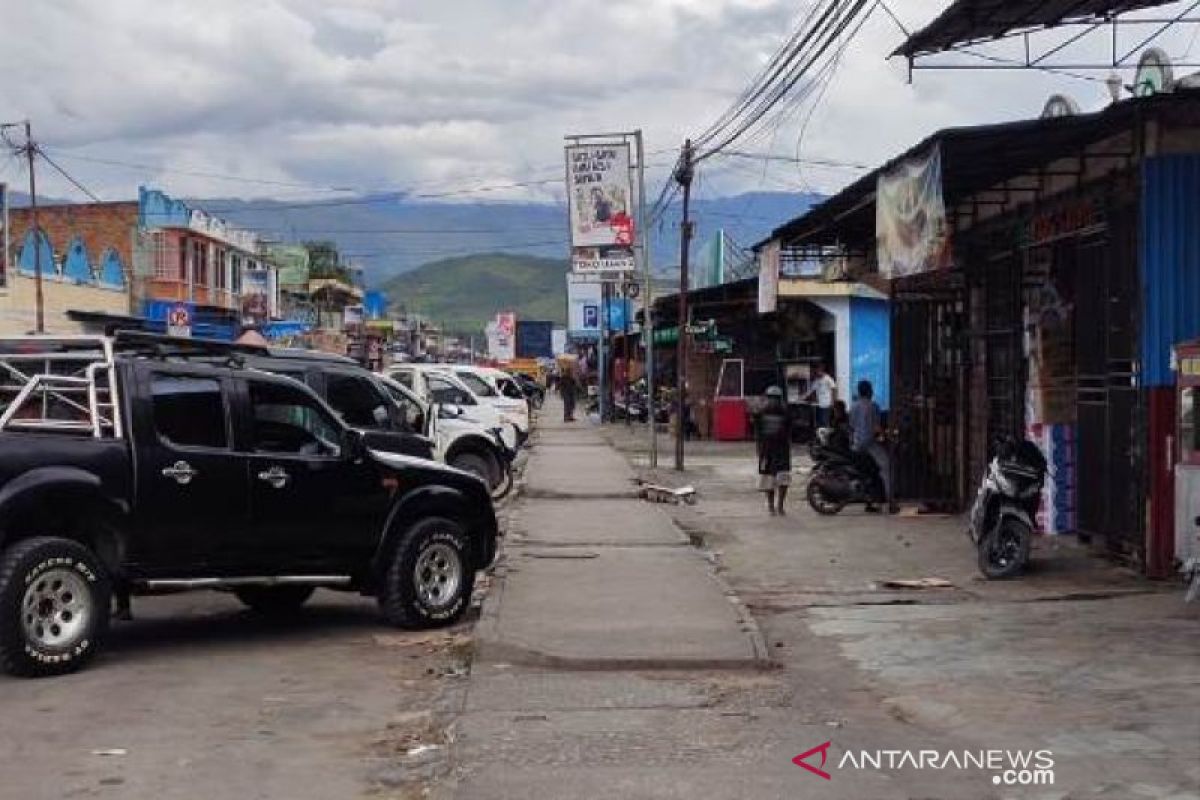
<point x="288" y="420"/>
<point x="403" y="377"/>
<point x="189" y="412"/>
<point x="411" y="411"/>
<point x="510" y="389"/>
<point x="357" y="401"/>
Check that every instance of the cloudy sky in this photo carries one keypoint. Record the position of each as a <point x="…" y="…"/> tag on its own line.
<point x="296" y="97"/>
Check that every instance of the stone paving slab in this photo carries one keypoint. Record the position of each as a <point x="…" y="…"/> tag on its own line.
<point x="593" y="522"/>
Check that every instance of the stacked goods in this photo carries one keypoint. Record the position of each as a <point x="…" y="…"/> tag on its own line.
<point x="1056" y="514"/>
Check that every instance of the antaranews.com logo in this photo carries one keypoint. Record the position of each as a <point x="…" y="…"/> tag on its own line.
<point x="1007" y="767"/>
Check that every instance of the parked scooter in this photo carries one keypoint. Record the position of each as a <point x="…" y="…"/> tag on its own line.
<point x="1002" y="519"/>
<point x="840" y="476"/>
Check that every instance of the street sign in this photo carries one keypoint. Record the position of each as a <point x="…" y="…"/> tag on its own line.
<point x="591" y="316"/>
<point x="633" y="289"/>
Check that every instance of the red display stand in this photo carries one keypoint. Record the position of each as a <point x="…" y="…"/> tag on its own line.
<point x="729" y="419"/>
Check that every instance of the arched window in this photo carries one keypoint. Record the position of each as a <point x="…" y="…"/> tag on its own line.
<point x="112" y="271"/>
<point x="76" y="266"/>
<point x="26" y="263"/>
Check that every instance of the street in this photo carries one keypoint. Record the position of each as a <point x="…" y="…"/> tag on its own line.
<point x="628" y="649"/>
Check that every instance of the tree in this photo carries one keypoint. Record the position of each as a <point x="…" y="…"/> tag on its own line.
<point x="324" y="261"/>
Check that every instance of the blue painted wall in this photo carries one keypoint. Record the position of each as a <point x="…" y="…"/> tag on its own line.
<point x="870" y="348"/>
<point x="158" y="210"/>
<point x="77" y="266"/>
<point x="1170" y="261"/>
<point x="26" y="261"/>
<point x="112" y="271"/>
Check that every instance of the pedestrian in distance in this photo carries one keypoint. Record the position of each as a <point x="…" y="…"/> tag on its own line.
<point x="822" y="389"/>
<point x="567" y="387"/>
<point x="773" y="438"/>
<point x="866" y="425"/>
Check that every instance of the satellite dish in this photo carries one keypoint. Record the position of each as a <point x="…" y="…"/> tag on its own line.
<point x="1059" y="105"/>
<point x="1154" y="74"/>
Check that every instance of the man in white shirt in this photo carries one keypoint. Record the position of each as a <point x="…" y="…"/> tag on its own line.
<point x="824" y="389"/>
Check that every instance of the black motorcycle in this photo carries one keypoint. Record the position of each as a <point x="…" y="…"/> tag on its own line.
<point x="841" y="476"/>
<point x="1002" y="519"/>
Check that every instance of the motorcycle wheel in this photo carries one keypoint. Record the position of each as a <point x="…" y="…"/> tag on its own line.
<point x="1004" y="550"/>
<point x="505" y="485"/>
<point x="821" y="503"/>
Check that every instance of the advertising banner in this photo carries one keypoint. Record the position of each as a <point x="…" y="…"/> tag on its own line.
<point x="600" y="203"/>
<point x="179" y="320"/>
<point x="502" y="337"/>
<point x="910" y="218"/>
<point x="768" y="277"/>
<point x="256" y="296"/>
<point x="583" y="307"/>
<point x="353" y="317"/>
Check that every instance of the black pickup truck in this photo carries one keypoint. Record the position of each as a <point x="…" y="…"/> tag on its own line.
<point x="129" y="465"/>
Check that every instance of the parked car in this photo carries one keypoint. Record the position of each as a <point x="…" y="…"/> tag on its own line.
<point x="447" y="390"/>
<point x="132" y="464"/>
<point x="463" y="442"/>
<point x="498" y="389"/>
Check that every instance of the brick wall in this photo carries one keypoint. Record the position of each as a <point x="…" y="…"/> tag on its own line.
<point x="100" y="225"/>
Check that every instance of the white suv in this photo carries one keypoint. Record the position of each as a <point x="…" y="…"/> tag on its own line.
<point x="497" y="388"/>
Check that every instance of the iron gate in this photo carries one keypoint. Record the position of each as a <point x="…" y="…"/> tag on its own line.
<point x="929" y="387"/>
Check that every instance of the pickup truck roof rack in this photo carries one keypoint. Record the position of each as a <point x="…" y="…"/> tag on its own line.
<point x="156" y="345"/>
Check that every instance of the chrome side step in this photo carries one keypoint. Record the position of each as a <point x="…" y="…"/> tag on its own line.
<point x="252" y="580"/>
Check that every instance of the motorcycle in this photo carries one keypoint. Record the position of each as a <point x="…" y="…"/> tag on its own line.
<point x="1002" y="518"/>
<point x="841" y="477"/>
<point x="507" y="457"/>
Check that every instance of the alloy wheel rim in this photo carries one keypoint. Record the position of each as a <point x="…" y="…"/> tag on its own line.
<point x="438" y="575"/>
<point x="56" y="609"/>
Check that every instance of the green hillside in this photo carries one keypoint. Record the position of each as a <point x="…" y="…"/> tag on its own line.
<point x="464" y="293"/>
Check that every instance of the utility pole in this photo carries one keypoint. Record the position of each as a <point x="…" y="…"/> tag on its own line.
<point x="684" y="176"/>
<point x="647" y="300"/>
<point x="39" y="302"/>
<point x="625" y="347"/>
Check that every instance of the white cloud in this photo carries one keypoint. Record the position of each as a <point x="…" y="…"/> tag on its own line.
<point x="393" y="93"/>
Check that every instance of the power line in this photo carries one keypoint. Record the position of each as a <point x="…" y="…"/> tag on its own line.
<point x="198" y="174"/>
<point x="39" y="151"/>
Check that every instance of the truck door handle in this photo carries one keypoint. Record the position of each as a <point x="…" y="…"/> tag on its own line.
<point x="276" y="477"/>
<point x="181" y="471"/>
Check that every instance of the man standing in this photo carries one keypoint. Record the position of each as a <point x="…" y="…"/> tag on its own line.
<point x="866" y="425"/>
<point x="822" y="389"/>
<point x="773" y="436"/>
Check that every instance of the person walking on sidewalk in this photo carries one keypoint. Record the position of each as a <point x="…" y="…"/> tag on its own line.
<point x="773" y="437"/>
<point x="866" y="425"/>
<point x="567" y="387"/>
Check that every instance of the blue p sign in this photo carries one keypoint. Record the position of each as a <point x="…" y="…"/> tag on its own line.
<point x="591" y="316"/>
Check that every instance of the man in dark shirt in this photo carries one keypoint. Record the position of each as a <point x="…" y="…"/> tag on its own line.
<point x="866" y="425"/>
<point x="773" y="435"/>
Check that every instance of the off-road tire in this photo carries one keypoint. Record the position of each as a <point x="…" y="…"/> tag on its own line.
<point x="274" y="600"/>
<point x="993" y="569"/>
<point x="478" y="464"/>
<point x="400" y="601"/>
<point x="69" y="564"/>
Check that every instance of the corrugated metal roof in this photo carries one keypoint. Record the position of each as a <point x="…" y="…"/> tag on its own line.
<point x="1170" y="261"/>
<point x="969" y="21"/>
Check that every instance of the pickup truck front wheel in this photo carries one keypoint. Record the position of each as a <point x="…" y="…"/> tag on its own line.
<point x="431" y="576"/>
<point x="54" y="606"/>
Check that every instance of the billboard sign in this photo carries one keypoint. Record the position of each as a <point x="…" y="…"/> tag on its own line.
<point x="179" y="320"/>
<point x="256" y="296"/>
<point x="583" y="307"/>
<point x="502" y="337"/>
<point x="600" y="206"/>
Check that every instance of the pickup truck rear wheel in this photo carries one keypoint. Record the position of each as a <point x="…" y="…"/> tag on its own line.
<point x="274" y="599"/>
<point x="54" y="606"/>
<point x="430" y="579"/>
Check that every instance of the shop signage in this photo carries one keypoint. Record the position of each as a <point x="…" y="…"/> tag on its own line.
<point x="599" y="197"/>
<point x="1071" y="217"/>
<point x="768" y="276"/>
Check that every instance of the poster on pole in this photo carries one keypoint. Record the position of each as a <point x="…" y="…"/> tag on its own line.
<point x="600" y="206"/>
<point x="502" y="337"/>
<point x="256" y="299"/>
<point x="910" y="217"/>
<point x="768" y="277"/>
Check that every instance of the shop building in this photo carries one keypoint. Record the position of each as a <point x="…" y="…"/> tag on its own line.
<point x="1060" y="266"/>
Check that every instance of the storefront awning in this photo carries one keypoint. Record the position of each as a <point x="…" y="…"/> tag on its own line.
<point x="968" y="22"/>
